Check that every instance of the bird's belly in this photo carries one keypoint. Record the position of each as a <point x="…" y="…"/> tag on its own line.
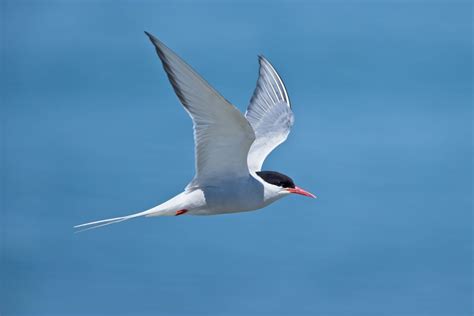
<point x="232" y="198"/>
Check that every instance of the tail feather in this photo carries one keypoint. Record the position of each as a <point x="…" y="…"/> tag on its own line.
<point x="169" y="208"/>
<point x="105" y="222"/>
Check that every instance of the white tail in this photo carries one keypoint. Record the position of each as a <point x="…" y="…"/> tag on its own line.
<point x="105" y="222"/>
<point x="169" y="208"/>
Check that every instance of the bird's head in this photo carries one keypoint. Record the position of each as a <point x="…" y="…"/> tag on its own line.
<point x="284" y="182"/>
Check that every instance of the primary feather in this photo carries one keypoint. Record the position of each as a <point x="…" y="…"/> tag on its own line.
<point x="222" y="135"/>
<point x="269" y="113"/>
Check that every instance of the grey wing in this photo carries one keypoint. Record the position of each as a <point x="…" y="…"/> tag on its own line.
<point x="269" y="113"/>
<point x="222" y="135"/>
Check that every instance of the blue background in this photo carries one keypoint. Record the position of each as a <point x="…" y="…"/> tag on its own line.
<point x="92" y="129"/>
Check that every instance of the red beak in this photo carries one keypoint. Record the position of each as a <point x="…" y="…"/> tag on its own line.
<point x="298" y="190"/>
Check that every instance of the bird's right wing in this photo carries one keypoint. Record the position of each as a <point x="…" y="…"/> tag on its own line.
<point x="269" y="113"/>
<point x="222" y="135"/>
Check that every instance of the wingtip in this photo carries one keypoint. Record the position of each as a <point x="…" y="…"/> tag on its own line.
<point x="261" y="58"/>
<point x="156" y="42"/>
<point x="150" y="36"/>
<point x="153" y="38"/>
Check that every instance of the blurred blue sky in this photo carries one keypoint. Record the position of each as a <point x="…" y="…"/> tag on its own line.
<point x="382" y="95"/>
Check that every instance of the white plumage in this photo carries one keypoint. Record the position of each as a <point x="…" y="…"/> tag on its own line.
<point x="230" y="148"/>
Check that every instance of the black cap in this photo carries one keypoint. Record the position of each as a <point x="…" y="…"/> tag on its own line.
<point x="276" y="178"/>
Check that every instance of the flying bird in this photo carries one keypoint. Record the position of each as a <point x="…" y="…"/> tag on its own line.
<point x="230" y="148"/>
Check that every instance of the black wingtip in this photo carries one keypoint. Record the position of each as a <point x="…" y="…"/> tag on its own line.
<point x="155" y="41"/>
<point x="153" y="38"/>
<point x="263" y="59"/>
<point x="150" y="36"/>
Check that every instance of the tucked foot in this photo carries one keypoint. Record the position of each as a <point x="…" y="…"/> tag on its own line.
<point x="180" y="212"/>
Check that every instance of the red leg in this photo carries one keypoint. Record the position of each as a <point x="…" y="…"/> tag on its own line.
<point x="180" y="212"/>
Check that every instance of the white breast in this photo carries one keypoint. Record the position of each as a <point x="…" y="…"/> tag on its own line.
<point x="236" y="195"/>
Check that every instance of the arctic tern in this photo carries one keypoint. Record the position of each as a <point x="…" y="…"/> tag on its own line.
<point x="230" y="148"/>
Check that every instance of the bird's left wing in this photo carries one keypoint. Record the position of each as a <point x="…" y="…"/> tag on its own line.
<point x="222" y="135"/>
<point x="269" y="113"/>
